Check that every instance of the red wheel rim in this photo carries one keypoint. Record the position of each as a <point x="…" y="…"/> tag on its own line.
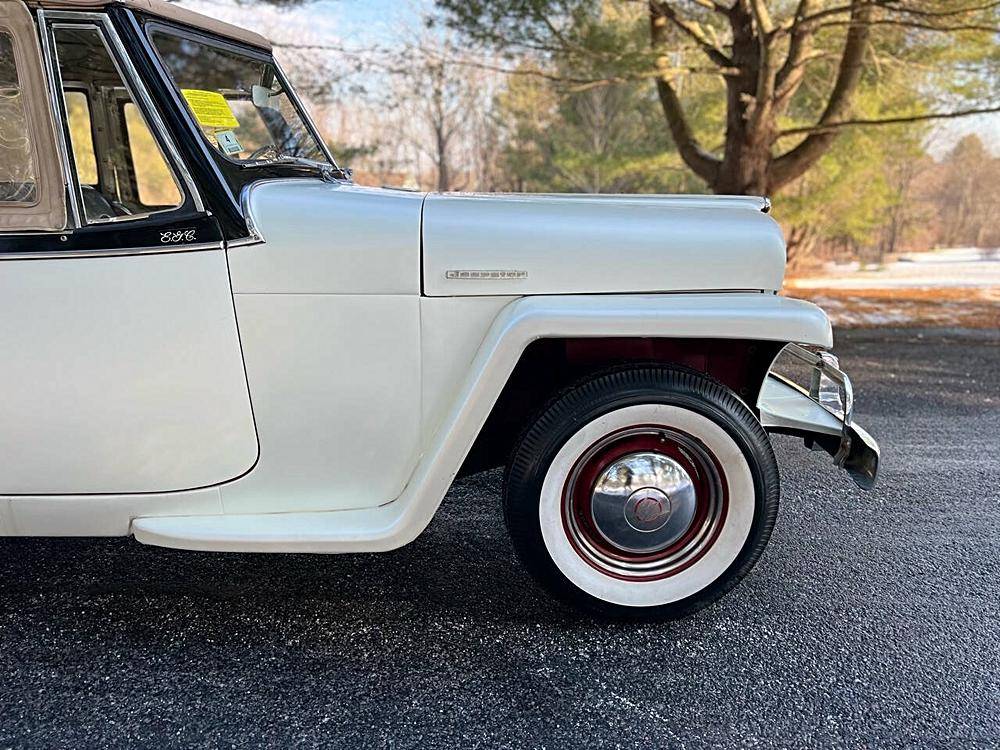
<point x="646" y="444"/>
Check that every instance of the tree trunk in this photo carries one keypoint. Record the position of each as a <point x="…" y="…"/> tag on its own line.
<point x="800" y="243"/>
<point x="759" y="89"/>
<point x="747" y="153"/>
<point x="441" y="157"/>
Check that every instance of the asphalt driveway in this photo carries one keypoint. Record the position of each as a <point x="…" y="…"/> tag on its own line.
<point x="872" y="620"/>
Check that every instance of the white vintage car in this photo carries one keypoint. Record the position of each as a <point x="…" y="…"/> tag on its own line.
<point x="213" y="340"/>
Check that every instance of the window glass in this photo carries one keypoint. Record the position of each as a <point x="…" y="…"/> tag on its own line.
<point x="81" y="137"/>
<point x="121" y="169"/>
<point x="238" y="102"/>
<point x="17" y="167"/>
<point x="154" y="182"/>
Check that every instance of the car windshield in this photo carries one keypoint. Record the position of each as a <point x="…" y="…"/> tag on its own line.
<point x="238" y="101"/>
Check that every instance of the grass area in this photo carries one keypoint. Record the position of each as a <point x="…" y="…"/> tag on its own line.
<point x="907" y="307"/>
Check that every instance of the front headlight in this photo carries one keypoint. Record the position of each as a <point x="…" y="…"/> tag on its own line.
<point x="829" y="392"/>
<point x="818" y="373"/>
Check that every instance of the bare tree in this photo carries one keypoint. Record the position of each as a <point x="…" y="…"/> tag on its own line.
<point x="442" y="100"/>
<point x="414" y="104"/>
<point x="967" y="197"/>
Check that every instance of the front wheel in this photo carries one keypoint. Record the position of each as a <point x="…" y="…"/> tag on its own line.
<point x="646" y="492"/>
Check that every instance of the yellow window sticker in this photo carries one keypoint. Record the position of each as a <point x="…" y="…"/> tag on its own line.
<point x="210" y="108"/>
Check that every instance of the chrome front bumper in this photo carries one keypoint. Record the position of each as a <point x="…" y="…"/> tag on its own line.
<point x="822" y="414"/>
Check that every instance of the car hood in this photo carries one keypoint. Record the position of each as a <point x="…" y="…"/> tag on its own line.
<point x="570" y="244"/>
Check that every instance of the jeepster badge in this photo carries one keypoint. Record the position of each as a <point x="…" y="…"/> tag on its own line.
<point x="478" y="275"/>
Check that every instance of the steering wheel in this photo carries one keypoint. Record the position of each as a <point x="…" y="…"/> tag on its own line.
<point x="97" y="206"/>
<point x="121" y="209"/>
<point x="256" y="153"/>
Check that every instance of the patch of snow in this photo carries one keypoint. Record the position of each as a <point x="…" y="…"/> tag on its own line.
<point x="951" y="267"/>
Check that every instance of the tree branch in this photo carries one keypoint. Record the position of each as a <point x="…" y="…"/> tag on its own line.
<point x="894" y="6"/>
<point x="700" y="161"/>
<point x="834" y="126"/>
<point x="766" y="73"/>
<point x="691" y="152"/>
<point x="762" y="17"/>
<point x="712" y="5"/>
<point x="799" y="48"/>
<point x="944" y="13"/>
<point x="911" y="24"/>
<point x="794" y="163"/>
<point x="693" y="30"/>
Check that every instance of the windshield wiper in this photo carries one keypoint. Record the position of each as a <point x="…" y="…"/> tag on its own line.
<point x="324" y="167"/>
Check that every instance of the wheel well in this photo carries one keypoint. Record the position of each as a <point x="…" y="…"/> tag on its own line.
<point x="548" y="366"/>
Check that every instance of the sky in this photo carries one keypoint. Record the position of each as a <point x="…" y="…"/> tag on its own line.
<point x="366" y="23"/>
<point x="359" y="22"/>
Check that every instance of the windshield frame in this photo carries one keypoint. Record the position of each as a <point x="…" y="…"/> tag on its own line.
<point x="259" y="55"/>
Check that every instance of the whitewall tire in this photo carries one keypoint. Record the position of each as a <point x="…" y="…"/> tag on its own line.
<point x="642" y="492"/>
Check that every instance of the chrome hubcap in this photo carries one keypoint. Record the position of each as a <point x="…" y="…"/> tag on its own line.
<point x="643" y="502"/>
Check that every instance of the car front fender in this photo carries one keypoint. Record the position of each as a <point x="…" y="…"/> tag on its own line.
<point x="733" y="315"/>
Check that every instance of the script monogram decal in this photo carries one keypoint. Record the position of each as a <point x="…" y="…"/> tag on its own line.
<point x="179" y="235"/>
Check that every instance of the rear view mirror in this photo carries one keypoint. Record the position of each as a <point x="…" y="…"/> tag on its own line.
<point x="261" y="95"/>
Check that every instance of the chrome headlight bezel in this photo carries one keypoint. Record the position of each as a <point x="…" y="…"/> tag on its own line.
<point x="828" y="385"/>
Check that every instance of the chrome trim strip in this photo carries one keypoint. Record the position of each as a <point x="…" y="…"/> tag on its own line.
<point x="112" y="253"/>
<point x="55" y="89"/>
<point x="244" y="242"/>
<point x="255" y="236"/>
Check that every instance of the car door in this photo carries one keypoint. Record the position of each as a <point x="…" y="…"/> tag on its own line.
<point x="329" y="312"/>
<point x="122" y="365"/>
<point x="327" y="289"/>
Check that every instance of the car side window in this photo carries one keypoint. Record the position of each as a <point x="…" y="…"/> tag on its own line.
<point x="81" y="136"/>
<point x="155" y="184"/>
<point x="119" y="167"/>
<point x="18" y="183"/>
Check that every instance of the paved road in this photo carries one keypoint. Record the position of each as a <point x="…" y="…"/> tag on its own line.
<point x="872" y="620"/>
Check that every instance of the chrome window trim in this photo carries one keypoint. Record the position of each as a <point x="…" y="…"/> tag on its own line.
<point x="137" y="90"/>
<point x="112" y="252"/>
<point x="84" y="220"/>
<point x="161" y="68"/>
<point x="304" y="113"/>
<point x="58" y="111"/>
<point x="154" y="114"/>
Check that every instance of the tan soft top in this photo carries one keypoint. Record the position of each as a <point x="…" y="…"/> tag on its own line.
<point x="163" y="9"/>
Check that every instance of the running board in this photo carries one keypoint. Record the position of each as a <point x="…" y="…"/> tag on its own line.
<point x="364" y="530"/>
